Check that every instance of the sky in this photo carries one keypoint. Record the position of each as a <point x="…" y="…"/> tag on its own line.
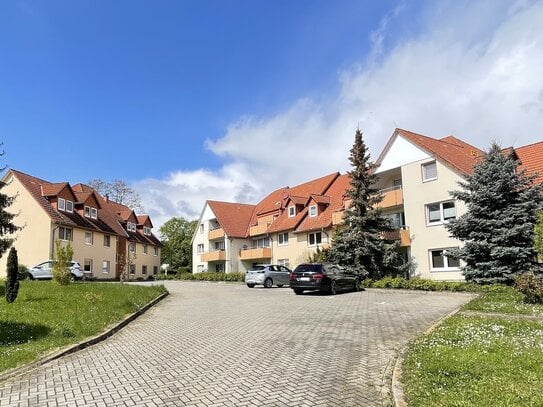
<point x="231" y="99"/>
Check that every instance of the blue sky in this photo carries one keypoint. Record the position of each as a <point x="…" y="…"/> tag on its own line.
<point x="195" y="100"/>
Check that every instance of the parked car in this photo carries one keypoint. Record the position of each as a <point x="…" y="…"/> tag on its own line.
<point x="44" y="271"/>
<point x="267" y="275"/>
<point x="324" y="277"/>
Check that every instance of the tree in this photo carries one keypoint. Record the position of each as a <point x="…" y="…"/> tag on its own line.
<point x="61" y="263"/>
<point x="538" y="238"/>
<point x="498" y="228"/>
<point x="118" y="191"/>
<point x="359" y="242"/>
<point x="6" y="219"/>
<point x="12" y="285"/>
<point x="176" y="235"/>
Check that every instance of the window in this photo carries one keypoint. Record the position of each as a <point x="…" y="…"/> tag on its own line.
<point x="88" y="238"/>
<point x="155" y="251"/>
<point x="132" y="247"/>
<point x="219" y="245"/>
<point x="147" y="231"/>
<point x="94" y="213"/>
<point x="313" y="211"/>
<point x="132" y="269"/>
<point x="440" y="212"/>
<point x="440" y="261"/>
<point x="69" y="206"/>
<point x="105" y="266"/>
<point x="397" y="220"/>
<point x="107" y="240"/>
<point x="155" y="270"/>
<point x="315" y="238"/>
<point x="200" y="248"/>
<point x="64" y="233"/>
<point x="429" y="171"/>
<point x="219" y="268"/>
<point x="201" y="228"/>
<point x="283" y="262"/>
<point x="262" y="242"/>
<point x="87" y="266"/>
<point x="144" y="269"/>
<point x="131" y="227"/>
<point x="397" y="183"/>
<point x="61" y="204"/>
<point x="282" y="239"/>
<point x="144" y="249"/>
<point x="291" y="211"/>
<point x="87" y="211"/>
<point x="200" y="268"/>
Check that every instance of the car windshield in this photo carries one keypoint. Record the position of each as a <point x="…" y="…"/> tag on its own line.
<point x="308" y="268"/>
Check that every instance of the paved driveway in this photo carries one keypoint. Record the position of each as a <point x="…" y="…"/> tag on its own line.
<point x="211" y="344"/>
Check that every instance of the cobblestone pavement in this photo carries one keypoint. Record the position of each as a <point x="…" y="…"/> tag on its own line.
<point x="212" y="344"/>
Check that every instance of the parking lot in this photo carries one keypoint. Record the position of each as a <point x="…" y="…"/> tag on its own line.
<point x="216" y="344"/>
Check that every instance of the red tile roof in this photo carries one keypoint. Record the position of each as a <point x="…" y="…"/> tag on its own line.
<point x="233" y="217"/>
<point x="531" y="158"/>
<point x="450" y="150"/>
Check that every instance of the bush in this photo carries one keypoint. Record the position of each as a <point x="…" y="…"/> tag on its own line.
<point x="431" y="285"/>
<point x="531" y="286"/>
<point x="12" y="285"/>
<point x="22" y="272"/>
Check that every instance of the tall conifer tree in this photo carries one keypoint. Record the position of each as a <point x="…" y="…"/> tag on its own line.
<point x="498" y="227"/>
<point x="358" y="243"/>
<point x="6" y="218"/>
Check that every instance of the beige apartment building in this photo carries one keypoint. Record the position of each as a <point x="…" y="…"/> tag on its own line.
<point x="105" y="236"/>
<point x="415" y="176"/>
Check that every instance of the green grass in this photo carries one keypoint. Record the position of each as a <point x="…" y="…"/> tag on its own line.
<point x="47" y="316"/>
<point x="473" y="360"/>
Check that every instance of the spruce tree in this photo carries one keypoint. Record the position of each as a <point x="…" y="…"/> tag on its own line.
<point x="6" y="219"/>
<point x="12" y="285"/>
<point x="498" y="228"/>
<point x="358" y="243"/>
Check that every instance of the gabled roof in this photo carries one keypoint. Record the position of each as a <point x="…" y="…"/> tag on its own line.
<point x="449" y="150"/>
<point x="233" y="217"/>
<point x="144" y="220"/>
<point x="531" y="158"/>
<point x="53" y="189"/>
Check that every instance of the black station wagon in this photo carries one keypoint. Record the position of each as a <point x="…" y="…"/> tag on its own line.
<point x="324" y="277"/>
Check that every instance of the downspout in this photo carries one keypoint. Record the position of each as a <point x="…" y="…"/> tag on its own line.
<point x="52" y="248"/>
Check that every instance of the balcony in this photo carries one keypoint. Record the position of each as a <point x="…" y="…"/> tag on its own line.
<point x="215" y="234"/>
<point x="400" y="234"/>
<point x="391" y="197"/>
<point x="216" y="255"/>
<point x="255" y="253"/>
<point x="259" y="229"/>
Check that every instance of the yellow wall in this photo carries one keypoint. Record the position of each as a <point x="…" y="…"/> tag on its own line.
<point x="96" y="252"/>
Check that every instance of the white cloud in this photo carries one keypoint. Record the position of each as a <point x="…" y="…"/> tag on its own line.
<point x="472" y="70"/>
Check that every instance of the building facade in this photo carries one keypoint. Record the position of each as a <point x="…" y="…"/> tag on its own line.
<point x="106" y="237"/>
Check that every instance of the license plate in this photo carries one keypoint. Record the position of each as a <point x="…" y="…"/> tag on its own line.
<point x="304" y="279"/>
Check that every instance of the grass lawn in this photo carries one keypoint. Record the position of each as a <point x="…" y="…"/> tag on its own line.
<point x="473" y="360"/>
<point x="46" y="316"/>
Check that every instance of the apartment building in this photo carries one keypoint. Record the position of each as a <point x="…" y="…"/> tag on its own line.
<point x="105" y="236"/>
<point x="415" y="175"/>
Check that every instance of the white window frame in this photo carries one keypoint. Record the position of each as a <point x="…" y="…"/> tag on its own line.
<point x="132" y="247"/>
<point x="94" y="213"/>
<point x="147" y="231"/>
<point x="200" y="248"/>
<point x="144" y="249"/>
<point x="62" y="234"/>
<point x="69" y="206"/>
<point x="86" y="211"/>
<point x="446" y="266"/>
<point x="291" y="211"/>
<point x="442" y="219"/>
<point x="313" y="211"/>
<point x="87" y="242"/>
<point x="282" y="239"/>
<point x="314" y="234"/>
<point x="424" y="171"/>
<point x="105" y="266"/>
<point x="85" y="265"/>
<point x="131" y="227"/>
<point x="61" y="204"/>
<point x="155" y="251"/>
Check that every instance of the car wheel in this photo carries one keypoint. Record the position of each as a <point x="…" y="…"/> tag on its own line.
<point x="251" y="285"/>
<point x="333" y="288"/>
<point x="268" y="283"/>
<point x="356" y="286"/>
<point x="279" y="285"/>
<point x="298" y="292"/>
<point x="30" y="276"/>
<point x="72" y="278"/>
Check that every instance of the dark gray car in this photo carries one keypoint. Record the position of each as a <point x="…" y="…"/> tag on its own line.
<point x="267" y="275"/>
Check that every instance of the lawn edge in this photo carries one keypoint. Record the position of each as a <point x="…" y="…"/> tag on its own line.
<point x="398" y="394"/>
<point x="69" y="349"/>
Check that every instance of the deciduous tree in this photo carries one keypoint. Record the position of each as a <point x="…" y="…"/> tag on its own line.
<point x="176" y="235"/>
<point x="118" y="191"/>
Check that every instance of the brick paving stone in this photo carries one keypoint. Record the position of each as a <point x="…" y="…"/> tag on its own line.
<point x="211" y="344"/>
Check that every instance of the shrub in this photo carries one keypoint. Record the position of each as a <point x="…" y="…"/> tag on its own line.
<point x="12" y="285"/>
<point x="431" y="285"/>
<point x="531" y="286"/>
<point x="22" y="272"/>
<point x="61" y="264"/>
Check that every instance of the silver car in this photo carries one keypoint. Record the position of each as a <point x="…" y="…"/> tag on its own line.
<point x="267" y="275"/>
<point x="44" y="271"/>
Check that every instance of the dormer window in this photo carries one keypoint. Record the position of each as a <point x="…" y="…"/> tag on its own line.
<point x="147" y="231"/>
<point x="131" y="227"/>
<point x="69" y="206"/>
<point x="291" y="211"/>
<point x="61" y="204"/>
<point x="91" y="212"/>
<point x="313" y="211"/>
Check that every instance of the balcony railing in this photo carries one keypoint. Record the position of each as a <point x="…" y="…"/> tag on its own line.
<point x="215" y="234"/>
<point x="400" y="234"/>
<point x="255" y="253"/>
<point x="391" y="197"/>
<point x="216" y="255"/>
<point x="259" y="229"/>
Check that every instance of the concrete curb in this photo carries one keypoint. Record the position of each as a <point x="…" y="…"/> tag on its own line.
<point x="398" y="394"/>
<point x="81" y="345"/>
